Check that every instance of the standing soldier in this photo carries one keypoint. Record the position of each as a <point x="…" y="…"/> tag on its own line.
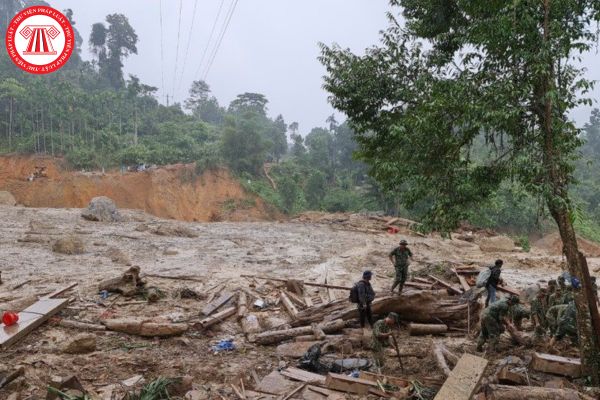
<point x="553" y="315"/>
<point x="567" y="324"/>
<point x="382" y="330"/>
<point x="493" y="320"/>
<point x="364" y="297"/>
<point x="493" y="281"/>
<point x="538" y="313"/>
<point x="400" y="257"/>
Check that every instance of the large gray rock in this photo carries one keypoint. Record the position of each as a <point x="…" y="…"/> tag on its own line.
<point x="102" y="209"/>
<point x="7" y="199"/>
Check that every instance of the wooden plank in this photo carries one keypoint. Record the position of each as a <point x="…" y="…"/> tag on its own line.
<point x="60" y="291"/>
<point x="463" y="379"/>
<point x="296" y="299"/>
<point x="419" y="285"/>
<point x="218" y="317"/>
<point x="266" y="278"/>
<point x="215" y="304"/>
<point x="557" y="365"/>
<point x="446" y="285"/>
<point x="275" y="383"/>
<point x="462" y="280"/>
<point x="29" y="319"/>
<point x="422" y="280"/>
<point x="304" y="376"/>
<point x="308" y="301"/>
<point x="348" y="384"/>
<point x="508" y="290"/>
<point x="369" y="376"/>
<point x="289" y="306"/>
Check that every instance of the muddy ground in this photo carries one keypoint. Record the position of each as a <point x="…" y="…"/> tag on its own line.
<point x="215" y="258"/>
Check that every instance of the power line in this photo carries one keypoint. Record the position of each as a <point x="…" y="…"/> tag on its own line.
<point x="223" y="32"/>
<point x="177" y="49"/>
<point x="162" y="48"/>
<point x="189" y="42"/>
<point x="212" y="32"/>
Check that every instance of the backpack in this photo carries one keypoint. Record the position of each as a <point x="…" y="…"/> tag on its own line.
<point x="483" y="277"/>
<point x="354" y="293"/>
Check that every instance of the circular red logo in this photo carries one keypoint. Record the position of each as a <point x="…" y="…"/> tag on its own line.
<point x="40" y="40"/>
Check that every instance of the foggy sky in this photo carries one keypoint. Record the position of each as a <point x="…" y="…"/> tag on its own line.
<point x="270" y="47"/>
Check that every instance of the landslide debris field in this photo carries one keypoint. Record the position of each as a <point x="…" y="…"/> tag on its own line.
<point x="209" y="259"/>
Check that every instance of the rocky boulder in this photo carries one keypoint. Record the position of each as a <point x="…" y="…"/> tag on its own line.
<point x="102" y="209"/>
<point x="7" y="199"/>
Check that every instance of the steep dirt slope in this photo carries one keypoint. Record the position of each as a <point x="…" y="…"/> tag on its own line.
<point x="170" y="192"/>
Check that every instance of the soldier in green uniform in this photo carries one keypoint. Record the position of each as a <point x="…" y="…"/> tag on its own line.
<point x="538" y="313"/>
<point x="562" y="285"/>
<point x="400" y="257"/>
<point x="517" y="314"/>
<point x="553" y="315"/>
<point x="556" y="297"/>
<point x="382" y="330"/>
<point x="567" y="324"/>
<point x="493" y="320"/>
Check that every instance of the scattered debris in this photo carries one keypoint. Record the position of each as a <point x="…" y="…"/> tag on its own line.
<point x="128" y="284"/>
<point x="224" y="345"/>
<point x="174" y="230"/>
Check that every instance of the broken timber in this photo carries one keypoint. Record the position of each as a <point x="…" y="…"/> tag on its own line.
<point x="303" y="376"/>
<point x="289" y="306"/>
<point x="215" y="304"/>
<point x="463" y="379"/>
<point x="218" y="317"/>
<point x="446" y="285"/>
<point x="504" y="392"/>
<point x="266" y="278"/>
<point x="274" y="337"/>
<point x="415" y="329"/>
<point x="556" y="365"/>
<point x="29" y="319"/>
<point x="348" y="384"/>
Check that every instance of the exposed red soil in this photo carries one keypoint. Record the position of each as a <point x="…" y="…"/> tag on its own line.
<point x="175" y="191"/>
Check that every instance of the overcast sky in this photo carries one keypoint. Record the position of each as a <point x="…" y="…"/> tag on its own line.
<point x="270" y="47"/>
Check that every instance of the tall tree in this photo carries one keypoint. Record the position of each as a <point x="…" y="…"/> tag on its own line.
<point x="276" y="135"/>
<point x="113" y="44"/>
<point x="249" y="102"/>
<point x="203" y="105"/>
<point x="505" y="68"/>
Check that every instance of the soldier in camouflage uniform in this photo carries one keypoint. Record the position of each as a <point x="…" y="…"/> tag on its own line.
<point x="493" y="320"/>
<point x="553" y="315"/>
<point x="556" y="297"/>
<point x="400" y="257"/>
<point x="517" y="314"/>
<point x="567" y="324"/>
<point x="538" y="313"/>
<point x="382" y="330"/>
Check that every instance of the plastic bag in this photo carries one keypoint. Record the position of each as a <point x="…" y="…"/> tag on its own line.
<point x="483" y="277"/>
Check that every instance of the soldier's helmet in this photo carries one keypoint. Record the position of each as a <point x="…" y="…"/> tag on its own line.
<point x="552" y="282"/>
<point x="404" y="242"/>
<point x="514" y="299"/>
<point x="561" y="279"/>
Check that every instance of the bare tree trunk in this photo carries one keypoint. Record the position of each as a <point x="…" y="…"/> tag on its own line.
<point x="559" y="205"/>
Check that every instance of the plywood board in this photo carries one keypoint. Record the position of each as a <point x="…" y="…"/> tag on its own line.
<point x="304" y="376"/>
<point x="275" y="383"/>
<point x="29" y="319"/>
<point x="464" y="379"/>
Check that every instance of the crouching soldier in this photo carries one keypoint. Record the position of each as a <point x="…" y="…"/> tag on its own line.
<point x="566" y="325"/>
<point x="517" y="314"/>
<point x="493" y="320"/>
<point x="538" y="313"/>
<point x="382" y="330"/>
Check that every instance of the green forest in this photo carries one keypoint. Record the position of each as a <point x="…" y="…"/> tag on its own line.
<point x="97" y="118"/>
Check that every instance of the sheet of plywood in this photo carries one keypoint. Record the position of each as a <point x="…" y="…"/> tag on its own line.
<point x="215" y="304"/>
<point x="29" y="319"/>
<point x="464" y="379"/>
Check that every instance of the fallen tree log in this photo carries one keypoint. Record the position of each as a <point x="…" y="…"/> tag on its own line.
<point x="425" y="306"/>
<point x="274" y="337"/>
<point x="242" y="305"/>
<point x="439" y="358"/>
<point x="415" y="329"/>
<point x="146" y="328"/>
<point x="505" y="392"/>
<point x="84" y="326"/>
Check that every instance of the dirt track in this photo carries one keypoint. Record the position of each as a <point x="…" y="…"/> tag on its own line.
<point x="220" y="253"/>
